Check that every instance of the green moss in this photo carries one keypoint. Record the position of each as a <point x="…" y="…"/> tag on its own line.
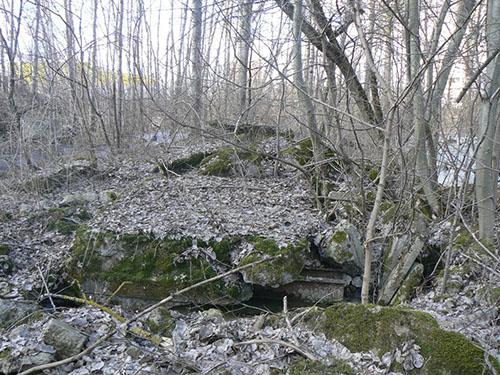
<point x="185" y="164"/>
<point x="282" y="270"/>
<point x="147" y="263"/>
<point x="339" y="237"/>
<point x="4" y="249"/>
<point x="5" y="217"/>
<point x="373" y="173"/>
<point x="64" y="220"/>
<point x="218" y="164"/>
<point x="224" y="247"/>
<point x="365" y="327"/>
<point x="112" y="195"/>
<point x="305" y="367"/>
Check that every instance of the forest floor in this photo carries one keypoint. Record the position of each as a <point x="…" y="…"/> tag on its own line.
<point x="203" y="341"/>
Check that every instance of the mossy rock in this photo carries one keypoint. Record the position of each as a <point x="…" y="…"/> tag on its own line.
<point x="139" y="266"/>
<point x="302" y="152"/>
<point x="366" y="327"/>
<point x="64" y="220"/>
<point x="305" y="367"/>
<point x="5" y="217"/>
<point x="407" y="289"/>
<point x="64" y="176"/>
<point x="161" y="322"/>
<point x="4" y="249"/>
<point x="225" y="162"/>
<point x="183" y="165"/>
<point x="6" y="265"/>
<point x="342" y="248"/>
<point x="283" y="270"/>
<point x="219" y="163"/>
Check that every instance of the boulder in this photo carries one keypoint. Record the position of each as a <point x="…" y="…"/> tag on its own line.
<point x="66" y="340"/>
<point x="161" y="322"/>
<point x="343" y="248"/>
<point x="403" y="338"/>
<point x="14" y="364"/>
<point x="281" y="271"/>
<point x="15" y="312"/>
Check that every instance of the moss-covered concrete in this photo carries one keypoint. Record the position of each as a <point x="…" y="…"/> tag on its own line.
<point x="367" y="327"/>
<point x="220" y="163"/>
<point x="225" y="161"/>
<point x="283" y="270"/>
<point x="305" y="367"/>
<point x="144" y="267"/>
<point x="183" y="165"/>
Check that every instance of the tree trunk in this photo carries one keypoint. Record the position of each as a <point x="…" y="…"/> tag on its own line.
<point x="486" y="183"/>
<point x="300" y="84"/>
<point x="423" y="170"/>
<point x="196" y="51"/>
<point x="244" y="40"/>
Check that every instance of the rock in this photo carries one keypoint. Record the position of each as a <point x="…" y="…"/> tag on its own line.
<point x="407" y="289"/>
<point x="66" y="340"/>
<point x="283" y="270"/>
<point x="15" y="364"/>
<point x="72" y="200"/>
<point x="399" y="272"/>
<point x="15" y="312"/>
<point x="343" y="248"/>
<point x="4" y="249"/>
<point x="6" y="265"/>
<point x="416" y="335"/>
<point x="161" y="322"/>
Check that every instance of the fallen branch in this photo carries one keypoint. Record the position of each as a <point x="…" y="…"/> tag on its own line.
<point x="124" y="325"/>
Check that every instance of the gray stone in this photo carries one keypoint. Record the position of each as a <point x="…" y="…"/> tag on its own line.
<point x="90" y="197"/>
<point x="161" y="322"/>
<point x="412" y="280"/>
<point x="15" y="312"/>
<point x="66" y="340"/>
<point x="400" y="272"/>
<point x="72" y="200"/>
<point x="14" y="365"/>
<point x="343" y="248"/>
